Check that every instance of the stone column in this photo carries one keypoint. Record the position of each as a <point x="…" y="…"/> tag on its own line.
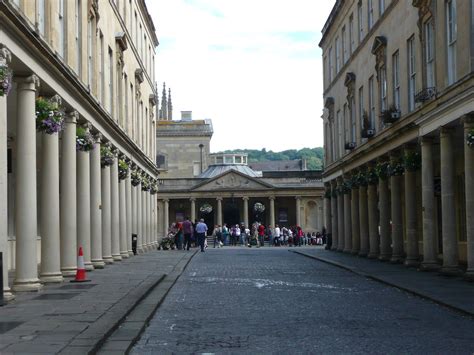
<point x="363" y="221"/>
<point x="334" y="221"/>
<point x="355" y="219"/>
<point x="340" y="217"/>
<point x="219" y="210"/>
<point x="327" y="209"/>
<point x="143" y="247"/>
<point x="106" y="216"/>
<point x="148" y="219"/>
<point x="298" y="210"/>
<point x="96" y="205"/>
<point x="384" y="205"/>
<point x="68" y="197"/>
<point x="166" y="216"/>
<point x="347" y="221"/>
<point x="139" y="226"/>
<point x="154" y="220"/>
<point x="115" y="209"/>
<point x="374" y="248"/>
<point x="84" y="205"/>
<point x="428" y="206"/>
<point x="26" y="273"/>
<point x="396" y="211"/>
<point x="469" y="176"/>
<point x="193" y="209"/>
<point x="128" y="203"/>
<point x="272" y="211"/>
<point x="412" y="258"/>
<point x="448" y="206"/>
<point x="246" y="211"/>
<point x="49" y="209"/>
<point x="5" y="58"/>
<point x="123" y="218"/>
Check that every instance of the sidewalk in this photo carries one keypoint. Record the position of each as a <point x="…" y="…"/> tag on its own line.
<point x="78" y="317"/>
<point x="452" y="292"/>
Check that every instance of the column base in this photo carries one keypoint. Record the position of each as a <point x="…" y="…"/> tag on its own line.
<point x="372" y="255"/>
<point x="340" y="250"/>
<point x="384" y="257"/>
<point x="89" y="266"/>
<point x="69" y="271"/>
<point x="116" y="257"/>
<point x="140" y="250"/>
<point x="450" y="271"/>
<point x="396" y="259"/>
<point x="108" y="259"/>
<point x="130" y="253"/>
<point x="469" y="275"/>
<point x="429" y="266"/>
<point x="411" y="262"/>
<point x="354" y="252"/>
<point x="27" y="285"/>
<point x="98" y="264"/>
<point x="8" y="295"/>
<point x="362" y="254"/>
<point x="51" y="277"/>
<point x="124" y="254"/>
<point x="347" y="251"/>
<point x="333" y="248"/>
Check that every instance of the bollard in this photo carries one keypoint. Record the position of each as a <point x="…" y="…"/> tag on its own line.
<point x="1" y="279"/>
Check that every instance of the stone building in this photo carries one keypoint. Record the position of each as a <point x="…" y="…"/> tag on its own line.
<point x="83" y="70"/>
<point x="399" y="126"/>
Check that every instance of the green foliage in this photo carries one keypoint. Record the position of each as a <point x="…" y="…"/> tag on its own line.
<point x="314" y="156"/>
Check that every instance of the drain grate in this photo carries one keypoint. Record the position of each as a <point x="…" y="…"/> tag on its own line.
<point x="56" y="296"/>
<point x="77" y="287"/>
<point x="7" y="326"/>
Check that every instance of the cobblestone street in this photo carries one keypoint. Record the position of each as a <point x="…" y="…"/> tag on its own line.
<point x="270" y="300"/>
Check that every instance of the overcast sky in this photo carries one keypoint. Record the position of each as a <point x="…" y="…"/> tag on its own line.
<point x="252" y="66"/>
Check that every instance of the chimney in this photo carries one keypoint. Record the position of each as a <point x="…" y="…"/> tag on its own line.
<point x="186" y="116"/>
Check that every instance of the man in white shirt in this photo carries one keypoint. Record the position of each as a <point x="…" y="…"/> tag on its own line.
<point x="276" y="234"/>
<point x="201" y="230"/>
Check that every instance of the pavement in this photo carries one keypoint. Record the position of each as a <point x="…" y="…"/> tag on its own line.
<point x="452" y="292"/>
<point x="79" y="318"/>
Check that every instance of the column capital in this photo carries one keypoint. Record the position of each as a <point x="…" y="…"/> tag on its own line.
<point x="468" y="119"/>
<point x="445" y="131"/>
<point x="218" y="198"/>
<point x="5" y="56"/>
<point x="192" y="199"/>
<point x="86" y="125"/>
<point x="56" y="99"/>
<point x="245" y="198"/>
<point x="166" y="200"/>
<point x="31" y="82"/>
<point x="72" y="117"/>
<point x="298" y="198"/>
<point x="272" y="198"/>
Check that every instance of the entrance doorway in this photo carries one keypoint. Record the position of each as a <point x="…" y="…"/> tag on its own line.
<point x="231" y="214"/>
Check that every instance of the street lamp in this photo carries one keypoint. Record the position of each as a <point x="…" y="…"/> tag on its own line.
<point x="200" y="147"/>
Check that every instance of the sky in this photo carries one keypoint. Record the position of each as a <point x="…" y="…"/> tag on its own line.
<point x="252" y="66"/>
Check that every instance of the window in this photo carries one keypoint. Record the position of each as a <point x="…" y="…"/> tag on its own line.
<point x="340" y="132"/>
<point x="331" y="68"/>
<point x="370" y="14"/>
<point x="90" y="32"/>
<point x="125" y="121"/>
<point x="451" y="35"/>
<point x="78" y="38"/>
<point x="338" y="55"/>
<point x="351" y="34"/>
<point x="41" y="12"/>
<point x="359" y="21"/>
<point x="325" y="71"/>
<point x="361" y="106"/>
<point x="136" y="30"/>
<point x="396" y="79"/>
<point x="62" y="28"/>
<point x="371" y="102"/>
<point x="346" y="118"/>
<point x="111" y="82"/>
<point x="411" y="73"/>
<point x="101" y="91"/>
<point x="343" y="45"/>
<point x="383" y="88"/>
<point x="381" y="7"/>
<point x="132" y="109"/>
<point x="429" y="53"/>
<point x="119" y="101"/>
<point x="353" y="119"/>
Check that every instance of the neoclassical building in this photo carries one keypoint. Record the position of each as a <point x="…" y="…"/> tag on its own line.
<point x="229" y="191"/>
<point x="77" y="144"/>
<point x="399" y="131"/>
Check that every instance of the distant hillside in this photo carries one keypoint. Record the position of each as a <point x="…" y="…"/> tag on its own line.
<point x="314" y="156"/>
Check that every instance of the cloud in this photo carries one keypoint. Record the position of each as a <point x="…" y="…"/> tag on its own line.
<point x="252" y="66"/>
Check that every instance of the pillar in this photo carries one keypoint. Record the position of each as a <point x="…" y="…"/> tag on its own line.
<point x="298" y="210"/>
<point x="5" y="58"/>
<point x="26" y="273"/>
<point x="355" y="219"/>
<point x="347" y="221"/>
<point x="428" y="206"/>
<point x="384" y="205"/>
<point x="219" y="210"/>
<point x="123" y="219"/>
<point x="412" y="258"/>
<point x="96" y="205"/>
<point x="115" y="209"/>
<point x="246" y="211"/>
<point x="193" y="209"/>
<point x="363" y="221"/>
<point x="334" y="221"/>
<point x="106" y="216"/>
<point x="129" y="212"/>
<point x="327" y="210"/>
<point x="148" y="219"/>
<point x="84" y="205"/>
<point x="141" y="222"/>
<point x="272" y="211"/>
<point x="374" y="248"/>
<point x="396" y="212"/>
<point x="68" y="196"/>
<point x="469" y="176"/>
<point x="166" y="216"/>
<point x="448" y="206"/>
<point x="340" y="217"/>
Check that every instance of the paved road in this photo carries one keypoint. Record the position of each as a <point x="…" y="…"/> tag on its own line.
<point x="272" y="301"/>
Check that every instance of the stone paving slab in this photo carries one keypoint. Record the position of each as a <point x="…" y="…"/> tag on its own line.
<point x="452" y="292"/>
<point x="81" y="321"/>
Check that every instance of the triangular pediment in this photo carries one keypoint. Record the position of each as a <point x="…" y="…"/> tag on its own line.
<point x="232" y="180"/>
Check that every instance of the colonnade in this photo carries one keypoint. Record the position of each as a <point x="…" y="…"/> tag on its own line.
<point x="364" y="211"/>
<point x="84" y="201"/>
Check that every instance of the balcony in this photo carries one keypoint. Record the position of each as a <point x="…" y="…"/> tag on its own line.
<point x="349" y="145"/>
<point x="391" y="115"/>
<point x="367" y="133"/>
<point x="425" y="94"/>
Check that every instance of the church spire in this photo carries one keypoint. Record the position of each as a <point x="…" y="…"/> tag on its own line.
<point x="170" y="106"/>
<point x="164" y="105"/>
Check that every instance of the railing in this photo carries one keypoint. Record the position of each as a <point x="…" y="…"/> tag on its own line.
<point x="425" y="94"/>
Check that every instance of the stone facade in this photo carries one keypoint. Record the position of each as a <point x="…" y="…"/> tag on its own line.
<point x="94" y="62"/>
<point x="399" y="101"/>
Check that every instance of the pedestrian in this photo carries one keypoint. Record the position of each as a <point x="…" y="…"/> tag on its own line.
<point x="243" y="235"/>
<point x="201" y="231"/>
<point x="276" y="235"/>
<point x="188" y="232"/>
<point x="269" y="233"/>
<point x="237" y="234"/>
<point x="261" y="234"/>
<point x="225" y="234"/>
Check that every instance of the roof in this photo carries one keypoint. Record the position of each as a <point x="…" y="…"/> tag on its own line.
<point x="277" y="165"/>
<point x="330" y="20"/>
<point x="184" y="128"/>
<point x="218" y="169"/>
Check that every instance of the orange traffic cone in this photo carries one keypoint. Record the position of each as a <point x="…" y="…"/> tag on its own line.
<point x="81" y="269"/>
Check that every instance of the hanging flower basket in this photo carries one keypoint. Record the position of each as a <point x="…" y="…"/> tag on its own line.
<point x="49" y="117"/>
<point x="205" y="208"/>
<point x="470" y="139"/>
<point x="346" y="187"/>
<point x="396" y="168"/>
<point x="146" y="184"/>
<point x="136" y="178"/>
<point x="122" y="169"/>
<point x="372" y="177"/>
<point x="353" y="182"/>
<point x="382" y="170"/>
<point x="107" y="158"/>
<point x="5" y="80"/>
<point x="360" y="178"/>
<point x="412" y="161"/>
<point x="259" y="207"/>
<point x="84" y="140"/>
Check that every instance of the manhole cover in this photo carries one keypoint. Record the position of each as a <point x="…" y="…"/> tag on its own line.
<point x="56" y="296"/>
<point x="77" y="287"/>
<point x="7" y="326"/>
